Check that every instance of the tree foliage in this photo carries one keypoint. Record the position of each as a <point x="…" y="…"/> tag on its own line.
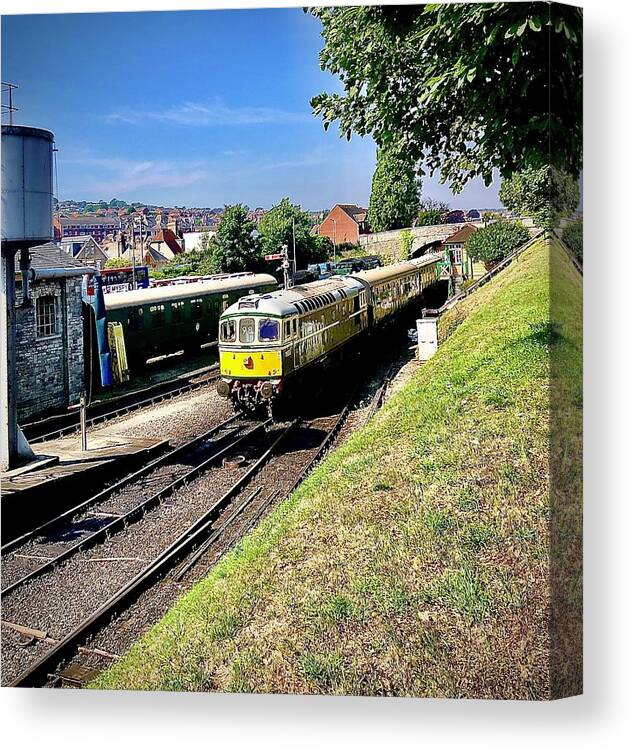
<point x="234" y="247"/>
<point x="458" y="88"/>
<point x="117" y="263"/>
<point x="573" y="237"/>
<point x="394" y="193"/>
<point x="276" y="231"/>
<point x="496" y="241"/>
<point x="544" y="193"/>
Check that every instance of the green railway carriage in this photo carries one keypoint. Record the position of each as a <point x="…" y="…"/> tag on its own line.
<point x="163" y="320"/>
<point x="267" y="340"/>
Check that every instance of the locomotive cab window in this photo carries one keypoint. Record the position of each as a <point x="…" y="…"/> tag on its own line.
<point x="228" y="331"/>
<point x="268" y="330"/>
<point x="247" y="330"/>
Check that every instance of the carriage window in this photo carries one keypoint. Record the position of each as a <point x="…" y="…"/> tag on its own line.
<point x="268" y="330"/>
<point x="196" y="309"/>
<point x="176" y="312"/>
<point x="247" y="330"/>
<point x="135" y="320"/>
<point x="228" y="331"/>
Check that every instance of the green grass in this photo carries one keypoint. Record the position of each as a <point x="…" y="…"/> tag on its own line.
<point x="415" y="559"/>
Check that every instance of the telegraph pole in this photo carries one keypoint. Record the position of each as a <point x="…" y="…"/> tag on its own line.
<point x="286" y="268"/>
<point x="294" y="269"/>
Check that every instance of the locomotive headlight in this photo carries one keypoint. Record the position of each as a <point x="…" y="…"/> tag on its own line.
<point x="267" y="389"/>
<point x="223" y="388"/>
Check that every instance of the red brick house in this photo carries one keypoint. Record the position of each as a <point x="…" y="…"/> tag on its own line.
<point x="344" y="223"/>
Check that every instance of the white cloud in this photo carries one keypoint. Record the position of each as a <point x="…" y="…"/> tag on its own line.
<point x="209" y="115"/>
<point x="116" y="175"/>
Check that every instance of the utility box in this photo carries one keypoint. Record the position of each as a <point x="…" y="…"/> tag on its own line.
<point x="427" y="340"/>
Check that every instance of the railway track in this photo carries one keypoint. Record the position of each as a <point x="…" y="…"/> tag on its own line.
<point x="118" y="505"/>
<point x="172" y="533"/>
<point x="57" y="426"/>
<point x="232" y="512"/>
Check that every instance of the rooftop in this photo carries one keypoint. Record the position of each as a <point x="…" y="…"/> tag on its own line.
<point x="51" y="255"/>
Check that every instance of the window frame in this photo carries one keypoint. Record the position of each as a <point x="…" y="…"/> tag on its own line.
<point x="51" y="321"/>
<point x="269" y="321"/>
<point x="242" y="322"/>
<point x="222" y="338"/>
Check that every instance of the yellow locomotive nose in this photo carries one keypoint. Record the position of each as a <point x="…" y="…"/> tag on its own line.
<point x="252" y="364"/>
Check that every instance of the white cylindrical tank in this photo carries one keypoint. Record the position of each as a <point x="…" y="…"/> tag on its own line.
<point x="27" y="185"/>
<point x="427" y="338"/>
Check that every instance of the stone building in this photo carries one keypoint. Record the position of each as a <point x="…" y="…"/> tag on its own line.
<point x="49" y="333"/>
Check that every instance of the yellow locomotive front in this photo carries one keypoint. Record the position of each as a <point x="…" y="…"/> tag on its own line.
<point x="250" y="354"/>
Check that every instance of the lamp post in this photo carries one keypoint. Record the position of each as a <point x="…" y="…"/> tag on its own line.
<point x="333" y="221"/>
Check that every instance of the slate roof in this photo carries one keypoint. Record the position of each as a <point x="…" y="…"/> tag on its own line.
<point x="462" y="235"/>
<point x="355" y="212"/>
<point x="79" y="220"/>
<point x="51" y="255"/>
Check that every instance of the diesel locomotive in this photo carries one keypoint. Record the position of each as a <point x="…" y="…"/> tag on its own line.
<point x="164" y="320"/>
<point x="267" y="341"/>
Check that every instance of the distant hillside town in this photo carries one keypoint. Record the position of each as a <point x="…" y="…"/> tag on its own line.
<point x="95" y="232"/>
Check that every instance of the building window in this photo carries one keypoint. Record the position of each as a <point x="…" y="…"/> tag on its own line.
<point x="46" y="316"/>
<point x="457" y="255"/>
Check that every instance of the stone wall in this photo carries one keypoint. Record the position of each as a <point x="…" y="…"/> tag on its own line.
<point x="388" y="245"/>
<point x="50" y="369"/>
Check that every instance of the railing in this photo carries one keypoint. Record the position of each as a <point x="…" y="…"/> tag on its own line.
<point x="571" y="256"/>
<point x="433" y="313"/>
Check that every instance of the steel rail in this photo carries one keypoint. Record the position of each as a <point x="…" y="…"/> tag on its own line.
<point x="39" y="671"/>
<point x="137" y="512"/>
<point x="127" y="403"/>
<point x="189" y="563"/>
<point x="162" y="460"/>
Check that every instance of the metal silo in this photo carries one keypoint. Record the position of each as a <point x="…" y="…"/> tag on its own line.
<point x="27" y="186"/>
<point x="27" y="220"/>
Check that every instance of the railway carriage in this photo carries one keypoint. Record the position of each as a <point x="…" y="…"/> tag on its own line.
<point x="163" y="320"/>
<point x="267" y="341"/>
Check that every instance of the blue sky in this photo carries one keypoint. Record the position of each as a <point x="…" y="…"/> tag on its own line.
<point x="190" y="108"/>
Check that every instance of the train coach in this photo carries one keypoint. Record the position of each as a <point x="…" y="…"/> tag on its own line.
<point x="267" y="341"/>
<point x="164" y="320"/>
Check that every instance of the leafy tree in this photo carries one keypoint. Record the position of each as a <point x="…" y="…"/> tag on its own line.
<point x="184" y="264"/>
<point x="496" y="241"/>
<point x="459" y="88"/>
<point x="394" y="193"/>
<point x="276" y="230"/>
<point x="431" y="212"/>
<point x="235" y="246"/>
<point x="543" y="193"/>
<point x="407" y="243"/>
<point x="117" y="263"/>
<point x="573" y="238"/>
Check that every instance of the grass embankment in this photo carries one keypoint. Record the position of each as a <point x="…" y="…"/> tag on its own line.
<point x="415" y="560"/>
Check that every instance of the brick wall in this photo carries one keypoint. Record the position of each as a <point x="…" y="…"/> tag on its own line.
<point x="345" y="228"/>
<point x="50" y="370"/>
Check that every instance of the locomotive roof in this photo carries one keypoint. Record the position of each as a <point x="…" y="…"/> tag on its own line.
<point x="386" y="273"/>
<point x="299" y="298"/>
<point x="153" y="295"/>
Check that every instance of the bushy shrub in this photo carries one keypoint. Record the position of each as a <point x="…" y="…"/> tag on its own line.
<point x="573" y="238"/>
<point x="496" y="241"/>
